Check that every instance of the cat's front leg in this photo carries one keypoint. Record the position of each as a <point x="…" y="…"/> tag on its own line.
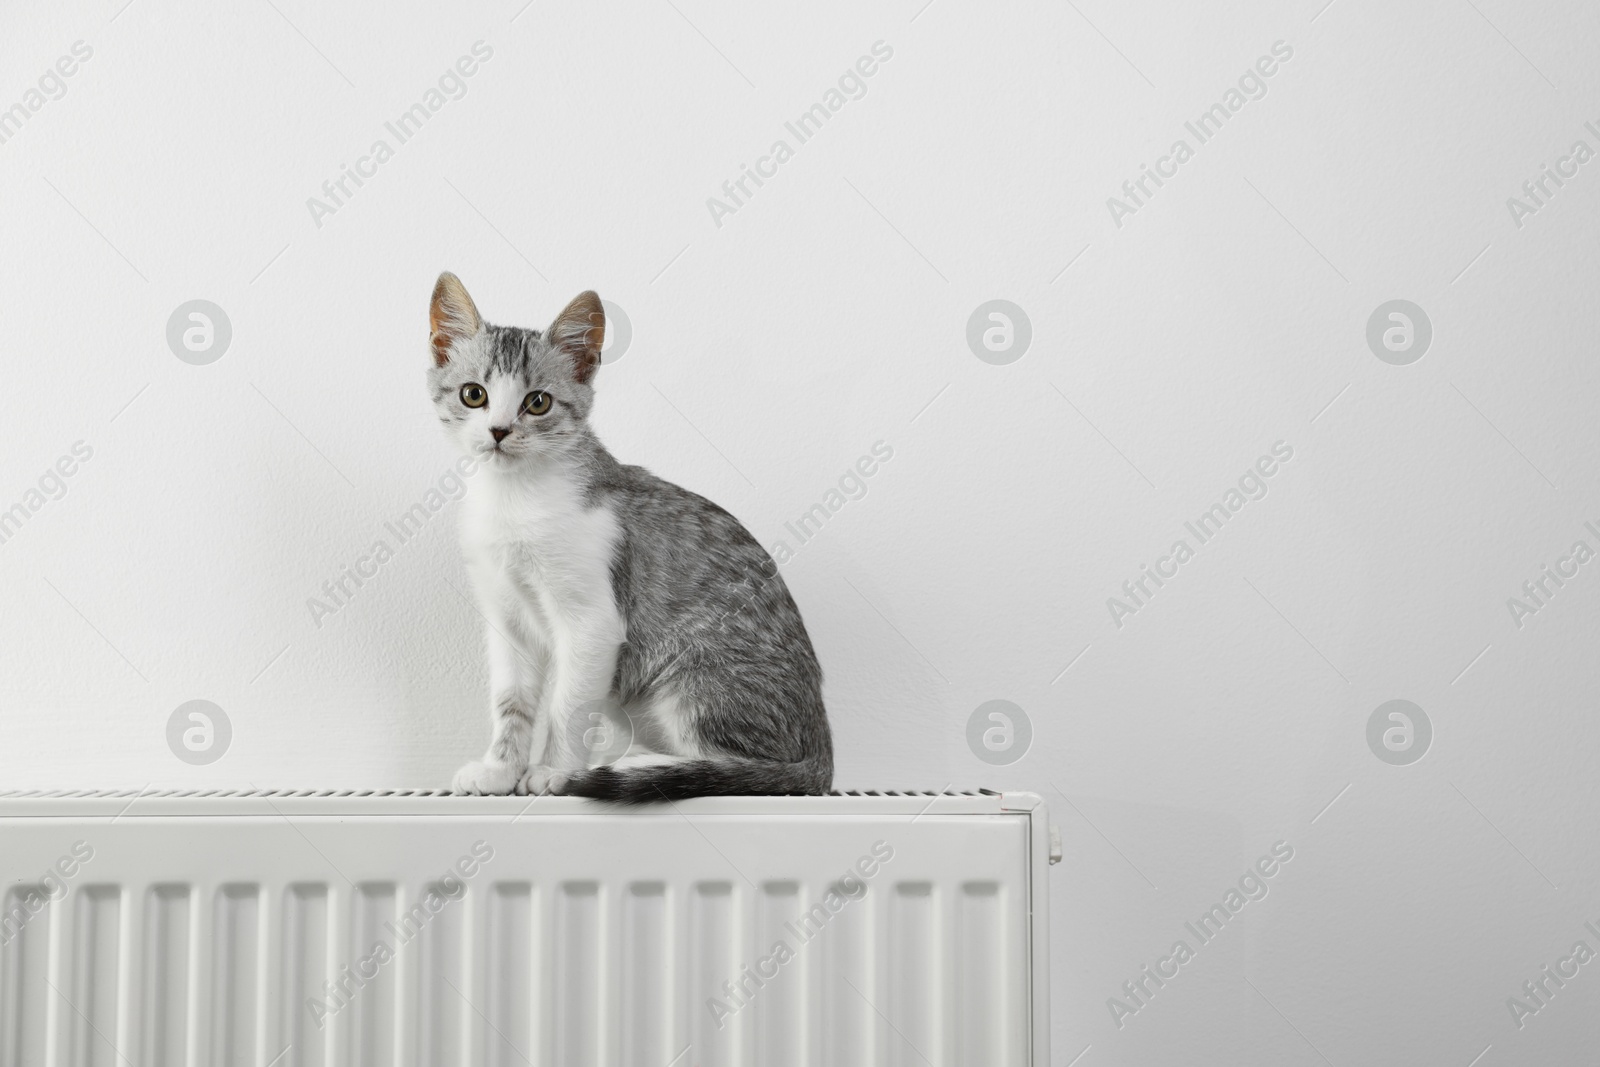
<point x="584" y="668"/>
<point x="514" y="688"/>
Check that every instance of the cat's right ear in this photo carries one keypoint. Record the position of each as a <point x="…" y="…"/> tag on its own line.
<point x="452" y="317"/>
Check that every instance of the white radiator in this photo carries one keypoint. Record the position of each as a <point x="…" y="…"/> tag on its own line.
<point x="414" y="930"/>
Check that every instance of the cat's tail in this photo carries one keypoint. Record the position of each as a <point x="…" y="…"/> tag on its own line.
<point x="715" y="777"/>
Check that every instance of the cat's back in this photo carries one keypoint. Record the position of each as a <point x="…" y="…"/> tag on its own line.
<point x="658" y="515"/>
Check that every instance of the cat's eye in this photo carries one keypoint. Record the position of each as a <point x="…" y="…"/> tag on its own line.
<point x="474" y="395"/>
<point x="536" y="403"/>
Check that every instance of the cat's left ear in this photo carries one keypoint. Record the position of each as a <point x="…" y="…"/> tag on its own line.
<point x="452" y="317"/>
<point x="579" y="331"/>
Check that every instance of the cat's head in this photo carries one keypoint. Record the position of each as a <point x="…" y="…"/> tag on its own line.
<point x="506" y="395"/>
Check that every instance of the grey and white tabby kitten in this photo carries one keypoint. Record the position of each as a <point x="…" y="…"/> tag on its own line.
<point x="601" y="581"/>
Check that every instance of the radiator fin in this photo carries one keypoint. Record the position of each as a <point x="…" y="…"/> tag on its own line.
<point x="715" y="944"/>
<point x="775" y="960"/>
<point x="646" y="976"/>
<point x="577" y="977"/>
<point x="366" y="981"/>
<point x="95" y="967"/>
<point x="914" y="976"/>
<point x="980" y="1001"/>
<point x="846" y="977"/>
<point x="306" y="1001"/>
<point x="442" y="970"/>
<point x="512" y="989"/>
<point x="163" y="990"/>
<point x="237" y="957"/>
<point x="24" y="974"/>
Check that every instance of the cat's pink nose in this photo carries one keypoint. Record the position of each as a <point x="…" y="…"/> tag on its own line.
<point x="500" y="433"/>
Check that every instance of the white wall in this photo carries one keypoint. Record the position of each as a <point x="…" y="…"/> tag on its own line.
<point x="769" y="352"/>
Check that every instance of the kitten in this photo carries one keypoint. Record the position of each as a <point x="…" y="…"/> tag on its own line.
<point x="601" y="582"/>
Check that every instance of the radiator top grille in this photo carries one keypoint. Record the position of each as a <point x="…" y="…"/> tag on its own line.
<point x="341" y="803"/>
<point x="115" y="794"/>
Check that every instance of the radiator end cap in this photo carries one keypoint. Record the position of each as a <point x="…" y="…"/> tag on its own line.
<point x="1018" y="801"/>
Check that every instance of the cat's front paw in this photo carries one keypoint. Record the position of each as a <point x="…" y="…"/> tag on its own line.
<point x="541" y="780"/>
<point x="486" y="779"/>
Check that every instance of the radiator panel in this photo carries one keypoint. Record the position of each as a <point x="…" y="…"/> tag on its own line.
<point x="315" y="932"/>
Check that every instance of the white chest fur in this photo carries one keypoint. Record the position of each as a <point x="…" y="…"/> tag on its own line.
<point x="540" y="560"/>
